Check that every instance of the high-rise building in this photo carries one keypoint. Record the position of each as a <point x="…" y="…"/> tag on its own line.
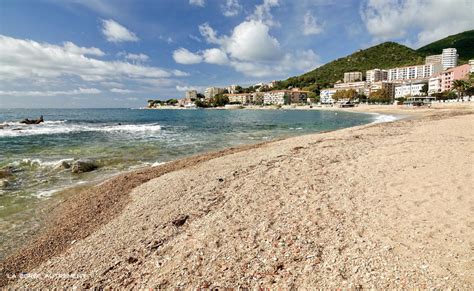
<point x="471" y="63"/>
<point x="352" y="77"/>
<point x="449" y="58"/>
<point x="376" y="75"/>
<point x="191" y="95"/>
<point x="414" y="72"/>
<point x="450" y="75"/>
<point x="212" y="91"/>
<point x="434" y="59"/>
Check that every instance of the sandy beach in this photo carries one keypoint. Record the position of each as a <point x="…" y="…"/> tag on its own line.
<point x="386" y="205"/>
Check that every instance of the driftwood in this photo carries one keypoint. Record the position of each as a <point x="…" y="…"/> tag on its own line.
<point x="32" y="121"/>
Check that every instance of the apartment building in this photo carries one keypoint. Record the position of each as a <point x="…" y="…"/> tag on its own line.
<point x="257" y="98"/>
<point x="434" y="59"/>
<point x="352" y="77"/>
<point x="241" y="98"/>
<point x="326" y="95"/>
<point x="191" y="95"/>
<point x="212" y="91"/>
<point x="414" y="72"/>
<point x="281" y="97"/>
<point x="458" y="73"/>
<point x="376" y="86"/>
<point x="410" y="89"/>
<point x="376" y="75"/>
<point x="471" y="63"/>
<point x="232" y="89"/>
<point x="434" y="85"/>
<point x="449" y="58"/>
<point x="360" y="87"/>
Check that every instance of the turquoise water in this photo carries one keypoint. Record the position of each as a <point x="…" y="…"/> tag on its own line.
<point x="125" y="139"/>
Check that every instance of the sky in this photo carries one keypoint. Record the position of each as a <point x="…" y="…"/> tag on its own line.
<point x="120" y="53"/>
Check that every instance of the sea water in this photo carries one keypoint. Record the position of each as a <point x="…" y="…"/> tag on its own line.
<point x="126" y="139"/>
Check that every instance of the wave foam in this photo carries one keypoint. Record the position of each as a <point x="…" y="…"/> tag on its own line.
<point x="380" y="118"/>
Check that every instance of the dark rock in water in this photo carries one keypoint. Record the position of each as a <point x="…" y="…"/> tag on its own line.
<point x="62" y="165"/>
<point x="6" y="172"/>
<point x="33" y="121"/>
<point x="82" y="166"/>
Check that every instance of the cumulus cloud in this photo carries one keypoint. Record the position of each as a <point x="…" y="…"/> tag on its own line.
<point x="263" y="13"/>
<point x="137" y="57"/>
<point x="200" y="3"/>
<point x="215" y="56"/>
<point x="79" y="91"/>
<point x="310" y="25"/>
<point x="115" y="32"/>
<point x="432" y="20"/>
<point x="209" y="34"/>
<point x="120" y="91"/>
<point x="231" y="8"/>
<point x="183" y="56"/>
<point x="28" y="60"/>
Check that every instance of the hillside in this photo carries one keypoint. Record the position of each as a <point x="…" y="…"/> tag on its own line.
<point x="463" y="42"/>
<point x="383" y="56"/>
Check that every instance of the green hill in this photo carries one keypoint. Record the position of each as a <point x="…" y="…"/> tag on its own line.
<point x="383" y="56"/>
<point x="463" y="42"/>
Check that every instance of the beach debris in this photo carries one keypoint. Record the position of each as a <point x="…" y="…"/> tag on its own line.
<point x="132" y="260"/>
<point x="156" y="244"/>
<point x="33" y="121"/>
<point x="221" y="180"/>
<point x="180" y="220"/>
<point x="82" y="166"/>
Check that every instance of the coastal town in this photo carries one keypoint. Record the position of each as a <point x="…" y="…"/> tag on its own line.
<point x="439" y="79"/>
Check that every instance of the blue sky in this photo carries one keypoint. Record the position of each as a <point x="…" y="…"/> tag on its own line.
<point x="119" y="53"/>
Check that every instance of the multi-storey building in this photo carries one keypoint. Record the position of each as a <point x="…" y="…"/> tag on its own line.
<point x="212" y="91"/>
<point x="413" y="72"/>
<point x="191" y="94"/>
<point x="471" y="63"/>
<point x="232" y="89"/>
<point x="376" y="75"/>
<point x="352" y="77"/>
<point x="257" y="98"/>
<point x="241" y="98"/>
<point x="281" y="97"/>
<point x="376" y="86"/>
<point x="410" y="89"/>
<point x="326" y="95"/>
<point x="434" y="59"/>
<point x="434" y="85"/>
<point x="360" y="87"/>
<point x="449" y="58"/>
<point x="458" y="73"/>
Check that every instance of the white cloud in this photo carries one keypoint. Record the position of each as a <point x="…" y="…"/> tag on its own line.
<point x="30" y="61"/>
<point x="310" y="25"/>
<point x="209" y="33"/>
<point x="215" y="56"/>
<point x="200" y="3"/>
<point x="432" y="20"/>
<point x="115" y="32"/>
<point x="137" y="57"/>
<point x="79" y="91"/>
<point x="120" y="91"/>
<point x="263" y="14"/>
<point x="183" y="56"/>
<point x="187" y="88"/>
<point x="231" y="8"/>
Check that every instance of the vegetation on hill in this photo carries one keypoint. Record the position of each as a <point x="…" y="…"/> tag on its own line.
<point x="383" y="56"/>
<point x="463" y="42"/>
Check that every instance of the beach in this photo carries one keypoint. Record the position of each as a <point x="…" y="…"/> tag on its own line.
<point x="383" y="205"/>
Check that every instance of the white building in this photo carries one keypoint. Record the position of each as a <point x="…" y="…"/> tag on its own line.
<point x="434" y="85"/>
<point x="434" y="59"/>
<point x="449" y="58"/>
<point x="326" y="95"/>
<point x="279" y="97"/>
<point x="191" y="95"/>
<point x="352" y="77"/>
<point x="409" y="89"/>
<point x="360" y="87"/>
<point x="232" y="89"/>
<point x="240" y="98"/>
<point x="376" y="75"/>
<point x="212" y="91"/>
<point x="376" y="86"/>
<point x="471" y="63"/>
<point x="414" y="72"/>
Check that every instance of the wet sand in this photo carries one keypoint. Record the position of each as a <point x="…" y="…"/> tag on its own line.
<point x="381" y="205"/>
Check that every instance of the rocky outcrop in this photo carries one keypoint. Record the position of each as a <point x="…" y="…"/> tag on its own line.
<point x="82" y="166"/>
<point x="33" y="121"/>
<point x="62" y="165"/>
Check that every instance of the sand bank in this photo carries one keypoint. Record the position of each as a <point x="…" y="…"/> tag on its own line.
<point x="381" y="205"/>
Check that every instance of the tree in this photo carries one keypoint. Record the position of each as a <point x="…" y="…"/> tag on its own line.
<point x="171" y="101"/>
<point x="313" y="97"/>
<point x="424" y="89"/>
<point x="380" y="96"/>
<point x="460" y="86"/>
<point x="219" y="100"/>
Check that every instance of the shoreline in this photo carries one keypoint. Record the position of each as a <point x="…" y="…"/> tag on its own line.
<point x="66" y="234"/>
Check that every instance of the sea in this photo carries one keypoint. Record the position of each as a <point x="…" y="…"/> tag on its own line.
<point x="123" y="140"/>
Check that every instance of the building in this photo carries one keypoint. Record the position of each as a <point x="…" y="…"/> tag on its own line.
<point x="376" y="75"/>
<point x="449" y="58"/>
<point x="458" y="73"/>
<point x="326" y="95"/>
<point x="471" y="63"/>
<point x="376" y="86"/>
<point x="281" y="97"/>
<point x="360" y="87"/>
<point x="241" y="98"/>
<point x="232" y="89"/>
<point x="352" y="77"/>
<point x="212" y="91"/>
<point x="257" y="98"/>
<point x="434" y="85"/>
<point x="420" y="72"/>
<point x="191" y="95"/>
<point x="434" y="59"/>
<point x="410" y="89"/>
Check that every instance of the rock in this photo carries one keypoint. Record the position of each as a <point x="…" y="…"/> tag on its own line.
<point x="82" y="166"/>
<point x="5" y="172"/>
<point x="180" y="220"/>
<point x="4" y="183"/>
<point x="62" y="165"/>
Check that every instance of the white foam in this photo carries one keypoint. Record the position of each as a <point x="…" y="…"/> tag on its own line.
<point x="380" y="118"/>
<point x="60" y="127"/>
